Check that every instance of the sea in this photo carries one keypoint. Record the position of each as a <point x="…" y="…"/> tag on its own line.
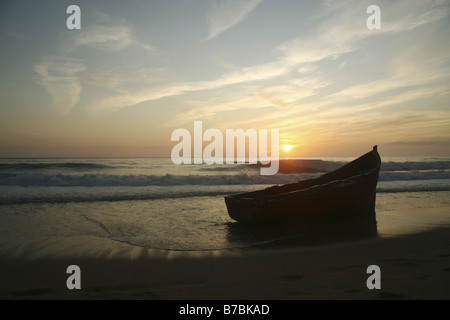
<point x="105" y="207"/>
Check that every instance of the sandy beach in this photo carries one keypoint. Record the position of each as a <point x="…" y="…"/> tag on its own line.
<point x="413" y="266"/>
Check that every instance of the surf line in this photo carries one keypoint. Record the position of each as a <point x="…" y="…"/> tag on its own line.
<point x="213" y="152"/>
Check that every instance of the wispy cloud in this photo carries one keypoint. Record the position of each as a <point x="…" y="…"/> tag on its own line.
<point x="59" y="77"/>
<point x="228" y="13"/>
<point x="279" y="96"/>
<point x="110" y="38"/>
<point x="105" y="78"/>
<point x="340" y="30"/>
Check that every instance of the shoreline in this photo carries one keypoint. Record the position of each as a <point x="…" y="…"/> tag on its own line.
<point x="413" y="266"/>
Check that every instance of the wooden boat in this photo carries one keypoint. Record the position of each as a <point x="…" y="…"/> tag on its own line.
<point x="346" y="195"/>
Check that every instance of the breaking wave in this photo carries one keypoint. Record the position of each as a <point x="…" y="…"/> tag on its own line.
<point x="243" y="178"/>
<point x="86" y="180"/>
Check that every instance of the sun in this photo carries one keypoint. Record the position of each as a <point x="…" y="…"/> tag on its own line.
<point x="287" y="147"/>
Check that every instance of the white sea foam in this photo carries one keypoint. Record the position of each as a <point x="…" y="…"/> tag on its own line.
<point x="42" y="179"/>
<point x="86" y="180"/>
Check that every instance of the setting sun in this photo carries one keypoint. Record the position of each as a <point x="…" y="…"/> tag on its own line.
<point x="287" y="147"/>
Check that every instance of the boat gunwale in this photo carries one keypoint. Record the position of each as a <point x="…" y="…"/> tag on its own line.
<point x="334" y="184"/>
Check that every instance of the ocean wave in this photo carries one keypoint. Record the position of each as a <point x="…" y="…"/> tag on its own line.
<point x="52" y="165"/>
<point x="415" y="165"/>
<point x="286" y="166"/>
<point x="55" y="197"/>
<point x="322" y="166"/>
<point x="23" y="195"/>
<point x="414" y="188"/>
<point x="414" y="175"/>
<point x="243" y="178"/>
<point x="61" y="180"/>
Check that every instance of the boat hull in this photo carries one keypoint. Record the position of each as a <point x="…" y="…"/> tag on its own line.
<point x="332" y="198"/>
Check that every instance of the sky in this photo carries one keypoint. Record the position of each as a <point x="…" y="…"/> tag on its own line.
<point x="138" y="70"/>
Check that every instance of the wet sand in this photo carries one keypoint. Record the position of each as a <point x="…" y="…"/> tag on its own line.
<point x="413" y="266"/>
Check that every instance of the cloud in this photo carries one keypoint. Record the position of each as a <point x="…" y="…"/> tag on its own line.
<point x="106" y="38"/>
<point x="340" y="30"/>
<point x="297" y="53"/>
<point x="155" y="92"/>
<point x="228" y="13"/>
<point x="421" y="142"/>
<point x="419" y="12"/>
<point x="61" y="75"/>
<point x="105" y="78"/>
<point x="275" y="97"/>
<point x="109" y="38"/>
<point x="58" y="75"/>
<point x="288" y="94"/>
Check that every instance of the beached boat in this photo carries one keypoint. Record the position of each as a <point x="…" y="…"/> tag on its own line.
<point x="346" y="196"/>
